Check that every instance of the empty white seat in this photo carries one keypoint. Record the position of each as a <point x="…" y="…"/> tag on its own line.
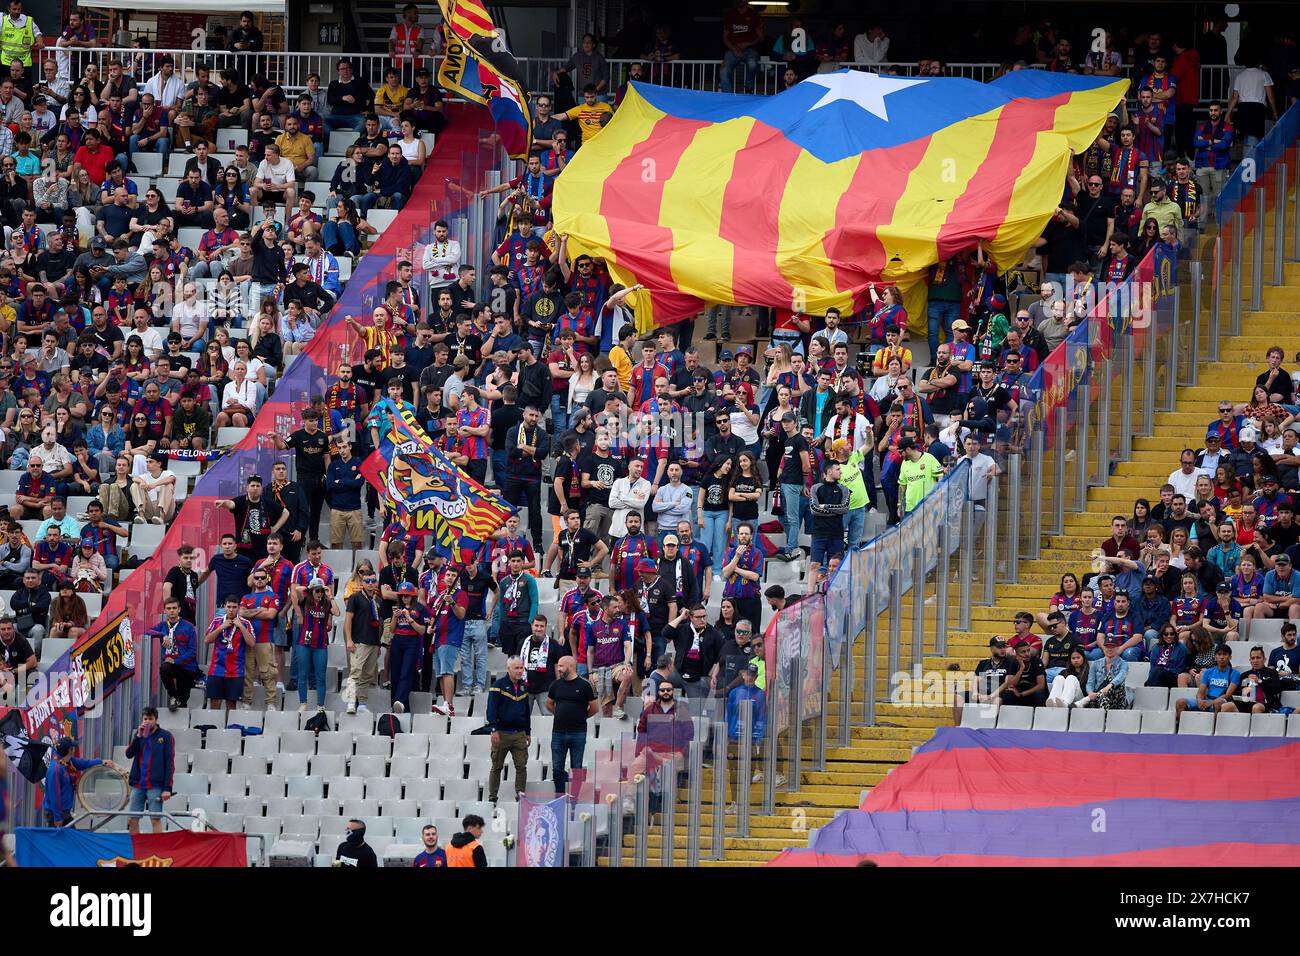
<point x="206" y="804"/>
<point x="190" y="783"/>
<point x="266" y="746"/>
<point x="268" y="827"/>
<point x="221" y="739"/>
<point x="329" y="766"/>
<point x="334" y="742"/>
<point x="1157" y="721"/>
<point x="357" y="723"/>
<point x="1186" y="693"/>
<point x="1137" y="674"/>
<point x="284" y="807"/>
<point x="408" y="768"/>
<point x="1089" y="721"/>
<point x="408" y="828"/>
<point x="1150" y="698"/>
<point x="347" y="788"/>
<point x="422" y="788"/>
<point x="448" y="745"/>
<point x="429" y="809"/>
<point x="373" y="745"/>
<point x="478" y="745"/>
<point x="321" y="807"/>
<point x="1197" y="723"/>
<point x="1267" y="725"/>
<point x="398" y="808"/>
<point x="977" y="715"/>
<point x="247" y="806"/>
<point x="381" y="219"/>
<point x="1015" y="718"/>
<point x="460" y="790"/>
<point x="147" y="164"/>
<point x="289" y="765"/>
<point x="226" y="822"/>
<point x="210" y="762"/>
<point x="383" y="788"/>
<point x="268" y="785"/>
<point x="280" y="721"/>
<point x="1231" y="725"/>
<point x="1241" y="649"/>
<point x="253" y="766"/>
<point x="411" y="745"/>
<point x="338" y="143"/>
<point x="230" y="435"/>
<point x="306" y="787"/>
<point x="301" y="827"/>
<point x="1051" y="718"/>
<point x="361" y="808"/>
<point x="1123" y="721"/>
<point x="367" y="766"/>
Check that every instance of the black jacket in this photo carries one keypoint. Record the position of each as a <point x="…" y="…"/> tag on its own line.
<point x="520" y="466"/>
<point x="828" y="503"/>
<point x="682" y="638"/>
<point x="508" y="709"/>
<point x="808" y="410"/>
<point x="291" y="498"/>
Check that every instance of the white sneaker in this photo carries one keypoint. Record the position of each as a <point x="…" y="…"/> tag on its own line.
<point x="157" y="519"/>
<point x="352" y="708"/>
<point x="620" y="713"/>
<point x="398" y="708"/>
<point x="302" y="708"/>
<point x="279" y="685"/>
<point x="732" y="809"/>
<point x="137" y="520"/>
<point x="758" y="776"/>
<point x="362" y="709"/>
<point x="780" y="780"/>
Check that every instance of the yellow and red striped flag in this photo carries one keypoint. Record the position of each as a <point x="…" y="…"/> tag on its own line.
<point x="803" y="199"/>
<point x="467" y="18"/>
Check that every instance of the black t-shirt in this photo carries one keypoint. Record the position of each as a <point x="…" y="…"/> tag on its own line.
<point x="185" y="589"/>
<point x="359" y="855"/>
<point x="1029" y="674"/>
<point x="309" y="452"/>
<point x="105" y="338"/>
<point x="388" y="579"/>
<point x="1282" y="536"/>
<point x="471" y="346"/>
<point x="1282" y="385"/>
<point x="92" y="366"/>
<point x="731" y="659"/>
<point x="990" y="673"/>
<point x="1065" y="246"/>
<point x="504" y="418"/>
<point x="1056" y="650"/>
<point x="571" y="699"/>
<point x="233" y="99"/>
<point x="477" y="588"/>
<point x="252" y="525"/>
<point x="744" y="510"/>
<point x="543" y="309"/>
<point x="17" y="653"/>
<point x="792" y="472"/>
<point x="179" y="361"/>
<point x="406" y="375"/>
<point x="55" y="265"/>
<point x="574" y="548"/>
<point x="367" y="382"/>
<point x="367" y="618"/>
<point x="435" y="376"/>
<point x="608" y="469"/>
<point x="565" y="469"/>
<point x="1093" y="214"/>
<point x="713" y="493"/>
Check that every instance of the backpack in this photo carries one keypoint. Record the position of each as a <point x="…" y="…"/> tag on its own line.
<point x="317" y="722"/>
<point x="388" y="725"/>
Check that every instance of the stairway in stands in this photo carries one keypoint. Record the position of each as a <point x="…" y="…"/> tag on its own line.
<point x="874" y="751"/>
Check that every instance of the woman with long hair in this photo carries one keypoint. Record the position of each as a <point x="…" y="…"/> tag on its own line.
<point x="413" y="149"/>
<point x="727" y="618"/>
<point x="232" y="195"/>
<point x="255" y="368"/>
<point x="773" y="431"/>
<point x="342" y="234"/>
<point x="1200" y="648"/>
<point x="68" y="614"/>
<point x="82" y="100"/>
<point x="137" y="365"/>
<point x="581" y="383"/>
<point x="1067" y="686"/>
<point x="1178" y="543"/>
<point x="265" y="343"/>
<point x="1065" y="600"/>
<point x="1147" y="238"/>
<point x="106" y="439"/>
<point x="715" y="508"/>
<point x="140" y="442"/>
<point x="1141" y="519"/>
<point x="311" y="649"/>
<point x="66" y="430"/>
<point x="744" y="493"/>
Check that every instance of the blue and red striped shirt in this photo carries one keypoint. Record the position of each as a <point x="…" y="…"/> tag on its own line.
<point x="317" y="622"/>
<point x="263" y="628"/>
<point x="228" y="651"/>
<point x="739" y="587"/>
<point x="448" y="629"/>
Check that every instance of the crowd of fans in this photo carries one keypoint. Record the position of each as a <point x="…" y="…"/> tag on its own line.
<point x="656" y="460"/>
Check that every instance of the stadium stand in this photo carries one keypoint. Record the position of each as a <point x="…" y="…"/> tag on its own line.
<point x="211" y="297"/>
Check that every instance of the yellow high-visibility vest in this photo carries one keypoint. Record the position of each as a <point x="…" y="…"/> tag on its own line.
<point x="16" y="42"/>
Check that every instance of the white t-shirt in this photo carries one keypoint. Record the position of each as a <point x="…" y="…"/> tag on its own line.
<point x="279" y="174"/>
<point x="982" y="468"/>
<point x="245" y="394"/>
<point x="186" y="317"/>
<point x="1185" y="485"/>
<point x="742" y="428"/>
<point x="1249" y="85"/>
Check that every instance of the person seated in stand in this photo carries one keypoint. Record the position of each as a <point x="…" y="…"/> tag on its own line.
<point x="1026" y="684"/>
<point x="1168" y="659"/>
<point x="1069" y="683"/>
<point x="1220" y="615"/>
<point x="1261" y="688"/>
<point x="1106" y="679"/>
<point x="1214" y="688"/>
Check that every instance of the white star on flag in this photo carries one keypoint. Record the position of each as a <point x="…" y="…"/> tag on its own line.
<point x="867" y="90"/>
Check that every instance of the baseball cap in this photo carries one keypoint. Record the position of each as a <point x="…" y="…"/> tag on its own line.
<point x="315" y="583"/>
<point x="1268" y="480"/>
<point x="1224" y="588"/>
<point x="745" y="350"/>
<point x="1113" y="640"/>
<point x="645" y="566"/>
<point x="1248" y="434"/>
<point x="961" y="325"/>
<point x="583" y="572"/>
<point x="406" y="587"/>
<point x="1283" y="558"/>
<point x="1212" y="436"/>
<point x="997" y="642"/>
<point x="752" y="668"/>
<point x="726" y="355"/>
<point x="98" y="243"/>
<point x="671" y="539"/>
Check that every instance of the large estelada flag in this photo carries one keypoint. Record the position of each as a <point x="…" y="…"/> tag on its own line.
<point x="803" y="199"/>
<point x="430" y="494"/>
<point x="477" y="65"/>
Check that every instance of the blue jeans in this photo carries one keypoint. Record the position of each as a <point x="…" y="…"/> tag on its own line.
<point x="1095" y="654"/>
<point x="795" y="504"/>
<point x="574" y="743"/>
<point x="498" y="459"/>
<point x="340" y="237"/>
<point x="366" y="201"/>
<point x="161" y="145"/>
<point x="404" y="668"/>
<point x="1135" y="653"/>
<point x="715" y="537"/>
<point x="354" y="121"/>
<point x="855" y="524"/>
<point x="559" y="415"/>
<point x="748" y="57"/>
<point x="473" y="655"/>
<point x="940" y="314"/>
<point x="309" y="668"/>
